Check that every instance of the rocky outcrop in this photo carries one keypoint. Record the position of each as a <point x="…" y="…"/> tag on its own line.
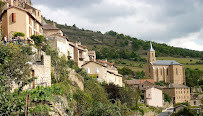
<point x="76" y="78"/>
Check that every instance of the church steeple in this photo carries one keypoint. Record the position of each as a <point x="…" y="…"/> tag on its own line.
<point x="151" y="54"/>
<point x="151" y="58"/>
<point x="151" y="48"/>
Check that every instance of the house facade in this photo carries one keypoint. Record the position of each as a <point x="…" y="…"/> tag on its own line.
<point x="168" y="71"/>
<point x="179" y="93"/>
<point x="153" y="97"/>
<point x="60" y="43"/>
<point x="20" y="16"/>
<point x="72" y="51"/>
<point x="103" y="73"/>
<point x="196" y="99"/>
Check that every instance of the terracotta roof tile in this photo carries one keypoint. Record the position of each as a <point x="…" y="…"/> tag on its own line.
<point x="149" y="80"/>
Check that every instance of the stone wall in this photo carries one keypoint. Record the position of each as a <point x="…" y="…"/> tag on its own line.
<point x="42" y="71"/>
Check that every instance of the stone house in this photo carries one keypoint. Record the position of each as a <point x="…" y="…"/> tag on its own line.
<point x="49" y="30"/>
<point x="80" y="53"/>
<point x="168" y="71"/>
<point x="103" y="72"/>
<point x="141" y="84"/>
<point x="196" y="99"/>
<point x="153" y="97"/>
<point x="61" y="43"/>
<point x="72" y="51"/>
<point x="16" y="19"/>
<point x="179" y="93"/>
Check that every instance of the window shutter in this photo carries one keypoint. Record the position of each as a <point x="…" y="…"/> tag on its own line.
<point x="14" y="17"/>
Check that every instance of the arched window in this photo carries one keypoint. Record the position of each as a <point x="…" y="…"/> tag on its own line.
<point x="176" y="71"/>
<point x="161" y="71"/>
<point x="167" y="71"/>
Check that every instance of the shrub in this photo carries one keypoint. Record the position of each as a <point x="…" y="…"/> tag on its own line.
<point x="20" y="34"/>
<point x="38" y="39"/>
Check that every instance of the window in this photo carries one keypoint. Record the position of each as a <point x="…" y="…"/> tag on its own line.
<point x="167" y="71"/>
<point x="97" y="70"/>
<point x="13" y="17"/>
<point x="194" y="102"/>
<point x="161" y="71"/>
<point x="176" y="71"/>
<point x="29" y="20"/>
<point x="88" y="70"/>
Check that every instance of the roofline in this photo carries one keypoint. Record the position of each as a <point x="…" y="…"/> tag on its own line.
<point x="166" y="65"/>
<point x="114" y="73"/>
<point x="93" y="62"/>
<point x="51" y="29"/>
<point x="19" y="9"/>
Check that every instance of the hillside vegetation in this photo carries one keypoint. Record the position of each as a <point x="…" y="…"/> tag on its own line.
<point x="130" y="53"/>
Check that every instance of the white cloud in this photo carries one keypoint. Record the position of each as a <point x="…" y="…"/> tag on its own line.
<point x="189" y="42"/>
<point x="157" y="20"/>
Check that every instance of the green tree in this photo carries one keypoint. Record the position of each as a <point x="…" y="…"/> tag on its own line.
<point x="38" y="39"/>
<point x="124" y="71"/>
<point x="19" y="34"/>
<point x="15" y="66"/>
<point x="185" y="112"/>
<point x="167" y="98"/>
<point x="2" y="5"/>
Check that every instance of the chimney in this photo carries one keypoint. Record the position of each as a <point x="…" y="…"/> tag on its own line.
<point x="79" y="43"/>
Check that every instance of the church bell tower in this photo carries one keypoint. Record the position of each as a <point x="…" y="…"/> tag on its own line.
<point x="151" y="58"/>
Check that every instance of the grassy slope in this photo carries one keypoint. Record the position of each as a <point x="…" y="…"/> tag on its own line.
<point x="96" y="40"/>
<point x="140" y="66"/>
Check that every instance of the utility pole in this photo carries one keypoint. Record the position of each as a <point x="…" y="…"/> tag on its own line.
<point x="26" y="105"/>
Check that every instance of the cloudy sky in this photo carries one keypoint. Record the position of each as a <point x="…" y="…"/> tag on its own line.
<point x="175" y="22"/>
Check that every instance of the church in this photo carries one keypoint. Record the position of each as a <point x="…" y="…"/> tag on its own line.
<point x="168" y="71"/>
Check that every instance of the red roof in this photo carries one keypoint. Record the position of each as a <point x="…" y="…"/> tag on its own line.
<point x="108" y="63"/>
<point x="149" y="80"/>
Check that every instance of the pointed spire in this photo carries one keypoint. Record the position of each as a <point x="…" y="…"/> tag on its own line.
<point x="151" y="48"/>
